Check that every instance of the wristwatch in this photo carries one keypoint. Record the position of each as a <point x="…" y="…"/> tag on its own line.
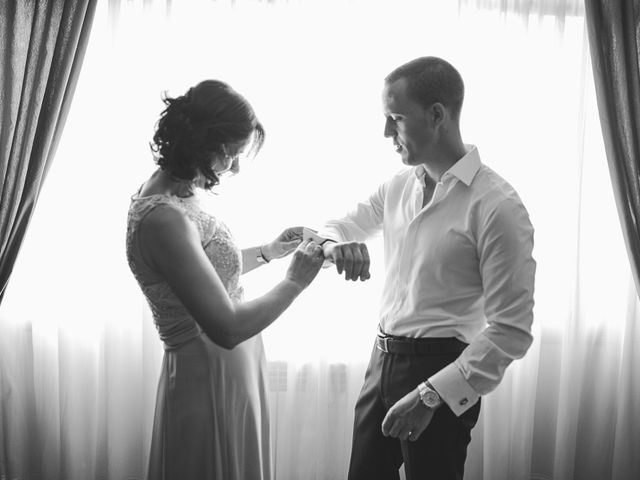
<point x="429" y="396"/>
<point x="260" y="258"/>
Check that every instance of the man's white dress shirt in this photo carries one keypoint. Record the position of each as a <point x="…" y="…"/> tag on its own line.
<point x="459" y="267"/>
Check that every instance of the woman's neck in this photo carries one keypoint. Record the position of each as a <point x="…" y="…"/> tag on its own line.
<point x="162" y="182"/>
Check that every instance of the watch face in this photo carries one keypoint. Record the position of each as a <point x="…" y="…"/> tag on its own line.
<point x="431" y="399"/>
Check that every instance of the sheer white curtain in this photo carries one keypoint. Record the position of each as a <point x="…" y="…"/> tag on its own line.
<point x="79" y="354"/>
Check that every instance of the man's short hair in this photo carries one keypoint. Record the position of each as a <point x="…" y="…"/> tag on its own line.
<point x="431" y="80"/>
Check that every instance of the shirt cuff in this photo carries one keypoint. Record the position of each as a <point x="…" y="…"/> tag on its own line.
<point x="329" y="234"/>
<point x="454" y="389"/>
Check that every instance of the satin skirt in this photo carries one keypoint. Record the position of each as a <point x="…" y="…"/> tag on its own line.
<point x="212" y="414"/>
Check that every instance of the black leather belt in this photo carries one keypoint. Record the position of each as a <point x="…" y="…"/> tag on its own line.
<point x="419" y="346"/>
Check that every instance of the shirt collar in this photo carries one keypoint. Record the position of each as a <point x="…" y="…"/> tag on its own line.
<point x="464" y="169"/>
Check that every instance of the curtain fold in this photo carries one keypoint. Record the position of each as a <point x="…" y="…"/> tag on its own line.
<point x="557" y="8"/>
<point x="43" y="45"/>
<point x="614" y="38"/>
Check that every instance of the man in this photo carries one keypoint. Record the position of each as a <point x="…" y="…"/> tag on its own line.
<point x="457" y="302"/>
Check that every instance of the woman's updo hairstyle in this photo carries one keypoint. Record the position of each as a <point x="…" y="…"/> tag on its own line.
<point x="200" y="125"/>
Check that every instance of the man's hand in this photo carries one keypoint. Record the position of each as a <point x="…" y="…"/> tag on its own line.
<point x="284" y="244"/>
<point x="350" y="257"/>
<point x="408" y="418"/>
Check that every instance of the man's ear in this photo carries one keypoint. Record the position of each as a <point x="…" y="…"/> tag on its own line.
<point x="437" y="114"/>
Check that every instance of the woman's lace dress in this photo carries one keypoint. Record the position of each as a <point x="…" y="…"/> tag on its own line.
<point x="211" y="419"/>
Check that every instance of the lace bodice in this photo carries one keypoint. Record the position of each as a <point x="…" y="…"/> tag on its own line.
<point x="174" y="323"/>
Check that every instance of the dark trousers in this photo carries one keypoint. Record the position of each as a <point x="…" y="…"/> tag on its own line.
<point x="438" y="454"/>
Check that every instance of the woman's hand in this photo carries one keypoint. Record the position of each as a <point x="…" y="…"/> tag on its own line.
<point x="305" y="264"/>
<point x="283" y="245"/>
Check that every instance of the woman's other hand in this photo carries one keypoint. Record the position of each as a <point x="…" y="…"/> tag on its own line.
<point x="283" y="245"/>
<point x="305" y="264"/>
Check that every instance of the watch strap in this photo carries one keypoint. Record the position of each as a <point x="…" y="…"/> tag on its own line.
<point x="260" y="258"/>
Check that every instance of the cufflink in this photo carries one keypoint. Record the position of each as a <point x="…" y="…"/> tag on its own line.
<point x="464" y="401"/>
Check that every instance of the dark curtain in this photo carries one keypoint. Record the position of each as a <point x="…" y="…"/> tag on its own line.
<point x="614" y="39"/>
<point x="42" y="45"/>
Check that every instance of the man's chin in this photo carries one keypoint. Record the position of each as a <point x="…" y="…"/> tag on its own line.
<point x="411" y="162"/>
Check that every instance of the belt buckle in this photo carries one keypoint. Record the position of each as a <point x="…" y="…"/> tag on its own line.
<point x="382" y="344"/>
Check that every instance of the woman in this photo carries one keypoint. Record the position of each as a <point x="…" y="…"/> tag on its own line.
<point x="211" y="419"/>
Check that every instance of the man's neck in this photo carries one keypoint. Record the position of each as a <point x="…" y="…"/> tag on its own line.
<point x="446" y="157"/>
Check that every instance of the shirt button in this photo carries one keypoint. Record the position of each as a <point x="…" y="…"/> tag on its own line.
<point x="464" y="401"/>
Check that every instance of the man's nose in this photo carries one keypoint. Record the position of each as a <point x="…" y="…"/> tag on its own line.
<point x="389" y="129"/>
